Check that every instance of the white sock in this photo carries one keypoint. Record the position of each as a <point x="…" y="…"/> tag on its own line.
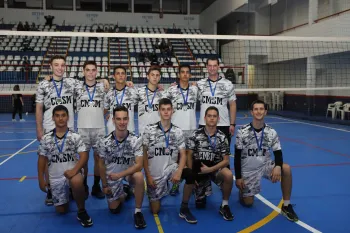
<point x="286" y="202"/>
<point x="137" y="210"/>
<point x="224" y="202"/>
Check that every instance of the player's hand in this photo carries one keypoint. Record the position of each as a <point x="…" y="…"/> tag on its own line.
<point x="194" y="83"/>
<point x="176" y="177"/>
<point x="47" y="78"/>
<point x="42" y="185"/>
<point x="240" y="184"/>
<point x="205" y="169"/>
<point x="106" y="84"/>
<point x="173" y="84"/>
<point x="39" y="134"/>
<point x="114" y="176"/>
<point x="129" y="84"/>
<point x="107" y="191"/>
<point x="160" y="87"/>
<point x="276" y="174"/>
<point x="69" y="174"/>
<point x="232" y="130"/>
<point x="108" y="116"/>
<point x="150" y="182"/>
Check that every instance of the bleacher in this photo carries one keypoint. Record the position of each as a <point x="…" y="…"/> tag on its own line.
<point x="107" y="52"/>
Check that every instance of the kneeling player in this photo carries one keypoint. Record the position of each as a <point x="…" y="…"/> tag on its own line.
<point x="162" y="142"/>
<point x="209" y="156"/>
<point x="252" y="160"/>
<point x="121" y="157"/>
<point x="58" y="148"/>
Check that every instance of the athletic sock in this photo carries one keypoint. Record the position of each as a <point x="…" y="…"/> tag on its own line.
<point x="286" y="202"/>
<point x="97" y="180"/>
<point x="224" y="202"/>
<point x="137" y="210"/>
<point x="184" y="205"/>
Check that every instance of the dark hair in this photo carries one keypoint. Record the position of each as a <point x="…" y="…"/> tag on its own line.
<point x="16" y="87"/>
<point x="60" y="108"/>
<point x="120" y="108"/>
<point x="213" y="59"/>
<point x="119" y="67"/>
<point x="257" y="102"/>
<point x="184" y="66"/>
<point x="211" y="108"/>
<point x="57" y="57"/>
<point x="165" y="101"/>
<point x="152" y="68"/>
<point x="89" y="63"/>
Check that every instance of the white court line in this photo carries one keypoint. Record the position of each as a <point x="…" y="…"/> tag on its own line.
<point x="275" y="208"/>
<point x="16" y="139"/>
<point x="17" y="152"/>
<point x="305" y="123"/>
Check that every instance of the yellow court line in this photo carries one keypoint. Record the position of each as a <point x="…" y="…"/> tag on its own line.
<point x="23" y="177"/>
<point x="159" y="225"/>
<point x="26" y="152"/>
<point x="263" y="221"/>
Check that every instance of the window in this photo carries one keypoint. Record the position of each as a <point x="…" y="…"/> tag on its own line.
<point x="59" y="4"/>
<point x="89" y="5"/>
<point x="118" y="5"/>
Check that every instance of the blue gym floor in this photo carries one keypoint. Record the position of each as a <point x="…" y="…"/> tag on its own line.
<point x="318" y="153"/>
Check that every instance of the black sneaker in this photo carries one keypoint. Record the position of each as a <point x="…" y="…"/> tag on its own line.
<point x="48" y="199"/>
<point x="226" y="213"/>
<point x="84" y="219"/>
<point x="139" y="221"/>
<point x="186" y="214"/>
<point x="201" y="203"/>
<point x="289" y="213"/>
<point x="86" y="192"/>
<point x="97" y="192"/>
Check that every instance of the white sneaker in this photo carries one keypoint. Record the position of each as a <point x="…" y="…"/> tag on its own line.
<point x="22" y="120"/>
<point x="13" y="119"/>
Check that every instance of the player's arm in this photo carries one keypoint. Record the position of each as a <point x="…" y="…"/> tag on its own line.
<point x="189" y="158"/>
<point x="277" y="152"/>
<point x="106" y="105"/>
<point x="233" y="113"/>
<point x="149" y="178"/>
<point x="131" y="170"/>
<point x="83" y="158"/>
<point x="42" y="161"/>
<point x="224" y="163"/>
<point x="102" y="167"/>
<point x="238" y="162"/>
<point x="39" y="108"/>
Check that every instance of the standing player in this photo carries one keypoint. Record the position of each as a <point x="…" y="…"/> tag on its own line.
<point x="162" y="143"/>
<point x="253" y="161"/>
<point x="184" y="99"/>
<point x="208" y="158"/>
<point x="89" y="98"/>
<point x="148" y="98"/>
<point x="121" y="95"/>
<point x="218" y="91"/>
<point x="50" y="93"/>
<point x="121" y="157"/>
<point x="58" y="149"/>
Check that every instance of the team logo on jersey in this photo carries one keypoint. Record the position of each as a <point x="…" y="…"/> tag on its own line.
<point x="154" y="108"/>
<point x="162" y="151"/>
<point x="94" y="103"/>
<point x="212" y="100"/>
<point x="255" y="152"/>
<point x="62" y="100"/>
<point x="127" y="105"/>
<point x="62" y="158"/>
<point x="121" y="160"/>
<point x="182" y="106"/>
<point x="206" y="155"/>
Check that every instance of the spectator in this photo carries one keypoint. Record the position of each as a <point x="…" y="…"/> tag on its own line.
<point x="49" y="20"/>
<point x="26" y="26"/>
<point x="20" y="26"/>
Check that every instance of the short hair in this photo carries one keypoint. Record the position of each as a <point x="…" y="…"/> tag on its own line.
<point x="119" y="67"/>
<point x="211" y="108"/>
<point x="184" y="66"/>
<point x="89" y="63"/>
<point x="120" y="108"/>
<point x="16" y="87"/>
<point x="213" y="59"/>
<point x="57" y="57"/>
<point x="60" y="108"/>
<point x="165" y="101"/>
<point x="152" y="68"/>
<point x="257" y="102"/>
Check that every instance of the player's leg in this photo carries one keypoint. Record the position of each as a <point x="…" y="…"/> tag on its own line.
<point x="185" y="212"/>
<point x="286" y="186"/>
<point x="137" y="181"/>
<point x="251" y="181"/>
<point x="224" y="178"/>
<point x="78" y="189"/>
<point x="60" y="195"/>
<point x="117" y="196"/>
<point x="96" y="188"/>
<point x="155" y="194"/>
<point x="86" y="137"/>
<point x="48" y="199"/>
<point x="202" y="189"/>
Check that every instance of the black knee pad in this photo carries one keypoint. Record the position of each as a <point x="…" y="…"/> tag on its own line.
<point x="188" y="176"/>
<point x="116" y="210"/>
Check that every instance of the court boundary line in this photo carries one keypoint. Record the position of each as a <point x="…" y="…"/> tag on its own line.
<point x="13" y="155"/>
<point x="16" y="139"/>
<point x="275" y="208"/>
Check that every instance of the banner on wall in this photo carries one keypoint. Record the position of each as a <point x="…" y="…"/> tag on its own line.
<point x="92" y="17"/>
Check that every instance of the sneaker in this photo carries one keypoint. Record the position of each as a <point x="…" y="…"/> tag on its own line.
<point x="48" y="199"/>
<point x="14" y="120"/>
<point x="186" y="214"/>
<point x="86" y="192"/>
<point x="174" y="190"/>
<point x="140" y="222"/>
<point x="289" y="213"/>
<point x="22" y="120"/>
<point x="84" y="219"/>
<point x="226" y="213"/>
<point x="97" y="192"/>
<point x="201" y="203"/>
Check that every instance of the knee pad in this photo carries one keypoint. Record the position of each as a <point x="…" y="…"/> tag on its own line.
<point x="116" y="210"/>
